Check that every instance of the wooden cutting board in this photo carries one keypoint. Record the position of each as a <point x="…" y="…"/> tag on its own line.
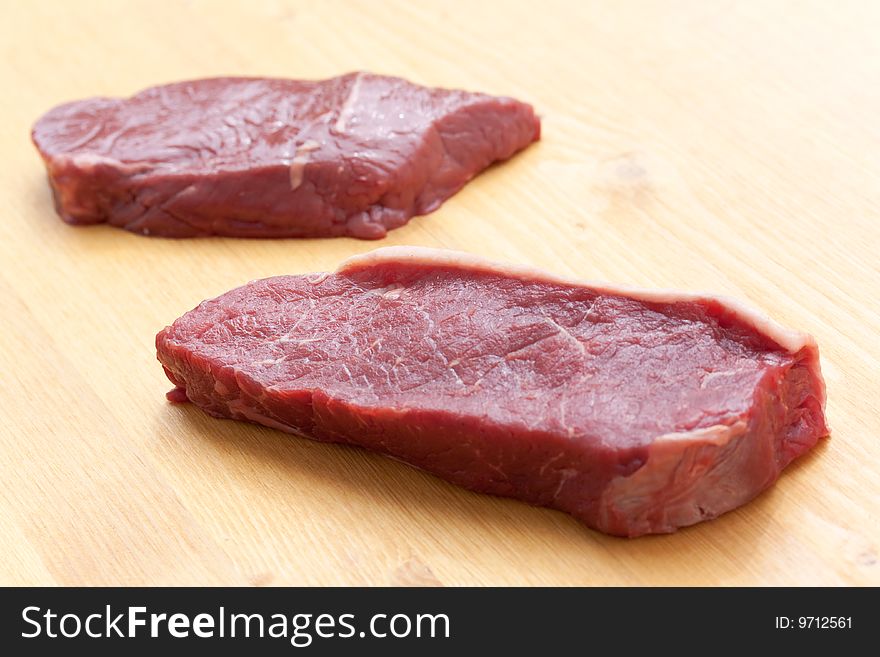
<point x="734" y="149"/>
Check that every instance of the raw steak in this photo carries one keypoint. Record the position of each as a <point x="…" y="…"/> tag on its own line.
<point x="355" y="155"/>
<point x="637" y="412"/>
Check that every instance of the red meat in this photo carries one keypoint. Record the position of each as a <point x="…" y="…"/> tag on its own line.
<point x="636" y="412"/>
<point x="356" y="155"/>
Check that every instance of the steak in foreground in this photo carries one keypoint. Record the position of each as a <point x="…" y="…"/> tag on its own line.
<point x="636" y="412"/>
<point x="352" y="156"/>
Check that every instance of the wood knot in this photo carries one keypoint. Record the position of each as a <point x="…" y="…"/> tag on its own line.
<point x="414" y="572"/>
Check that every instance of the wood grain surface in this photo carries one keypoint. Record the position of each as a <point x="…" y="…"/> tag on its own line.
<point x="728" y="147"/>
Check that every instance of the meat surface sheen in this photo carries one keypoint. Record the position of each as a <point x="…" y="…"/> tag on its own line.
<point x="353" y="156"/>
<point x="636" y="412"/>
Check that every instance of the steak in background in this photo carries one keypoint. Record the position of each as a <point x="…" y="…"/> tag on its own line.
<point x="635" y="411"/>
<point x="352" y="156"/>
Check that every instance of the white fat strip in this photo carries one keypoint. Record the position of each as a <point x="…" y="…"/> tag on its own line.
<point x="392" y="291"/>
<point x="285" y="339"/>
<point x="566" y="334"/>
<point x="298" y="164"/>
<point x="549" y="463"/>
<point x="375" y="343"/>
<point x="714" y="375"/>
<point x="239" y="409"/>
<point x="271" y="361"/>
<point x="717" y="434"/>
<point x="88" y="161"/>
<point x="565" y="475"/>
<point x="349" y="104"/>
<point x="86" y="138"/>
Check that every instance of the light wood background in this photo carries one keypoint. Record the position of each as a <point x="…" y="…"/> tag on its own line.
<point x="724" y="146"/>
